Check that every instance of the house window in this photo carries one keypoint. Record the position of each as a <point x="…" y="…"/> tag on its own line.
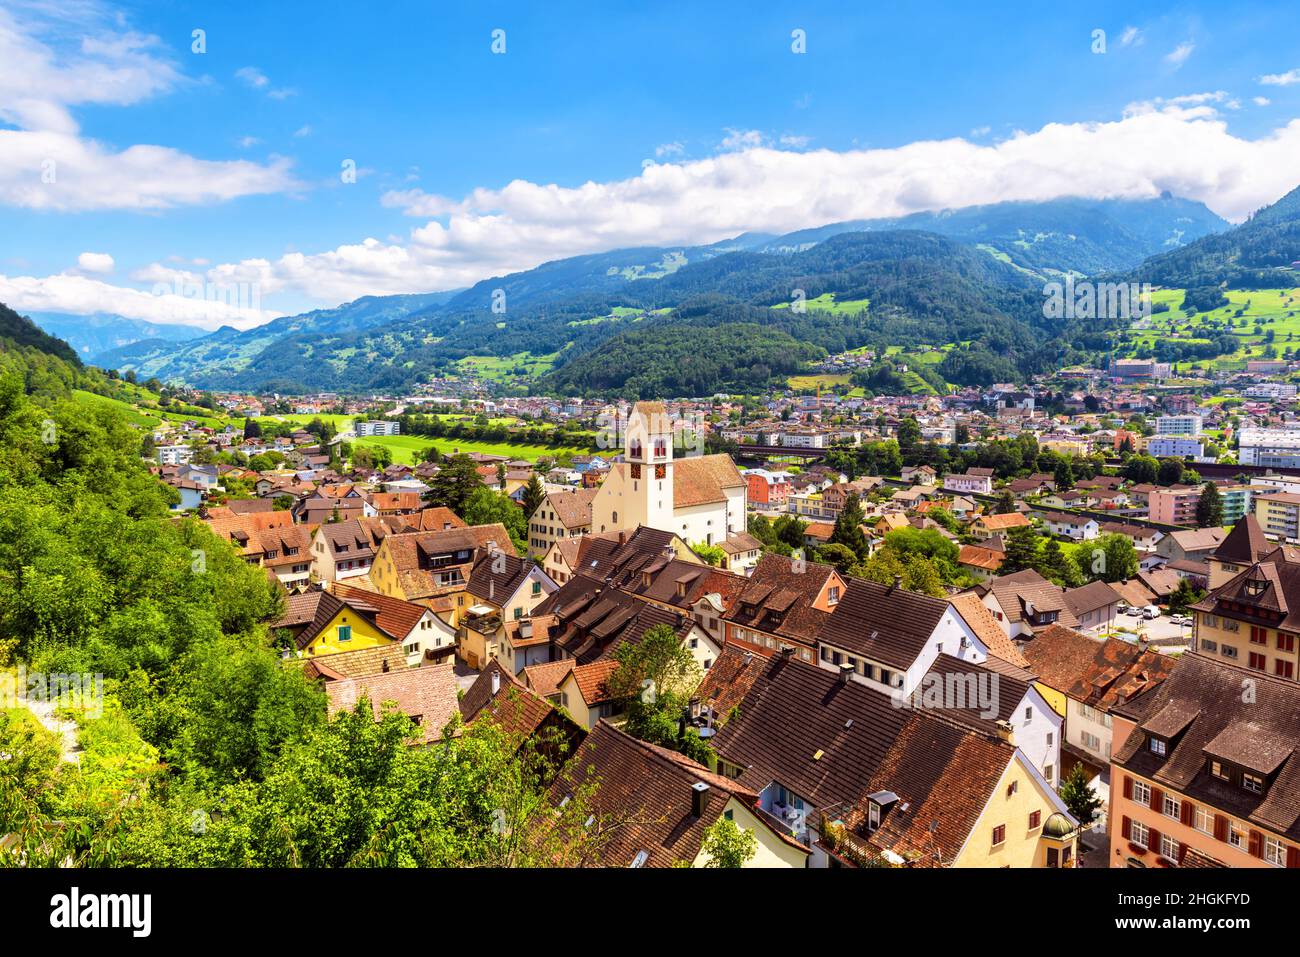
<point x="873" y="817"/>
<point x="1258" y="636"/>
<point x="1236" y="836"/>
<point x="1172" y="807"/>
<point x="1252" y="783"/>
<point x="1142" y="793"/>
<point x="345" y="632"/>
<point x="1218" y="770"/>
<point x="1035" y="819"/>
<point x="1203" y="820"/>
<point x="537" y="589"/>
<point x="1012" y="788"/>
<point x="1274" y="852"/>
<point x="1029" y="715"/>
<point x="1168" y="847"/>
<point x="1158" y="746"/>
<point x="1285" y="642"/>
<point x="1091" y="741"/>
<point x="1257" y="661"/>
<point x="999" y="834"/>
<point x="1139" y="834"/>
<point x="1284" y="669"/>
<point x="1228" y="651"/>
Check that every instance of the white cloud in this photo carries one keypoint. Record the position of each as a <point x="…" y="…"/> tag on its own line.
<point x="82" y="295"/>
<point x="981" y="131"/>
<point x="1288" y="78"/>
<point x="1262" y="101"/>
<point x="1132" y="36"/>
<point x="1179" y="145"/>
<point x="669" y="149"/>
<point x="258" y="80"/>
<point x="301" y="131"/>
<point x="47" y="67"/>
<point x="791" y="141"/>
<point x="741" y="140"/>
<point x="101" y="263"/>
<point x="1179" y="54"/>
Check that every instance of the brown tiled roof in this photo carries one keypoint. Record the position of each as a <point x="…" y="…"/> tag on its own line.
<point x="1089" y="598"/>
<point x="978" y="557"/>
<point x="434" y="519"/>
<point x="1256" y="731"/>
<point x="393" y="616"/>
<point x="355" y="664"/>
<point x="426" y="694"/>
<point x="1002" y="522"/>
<point x="729" y="679"/>
<point x="545" y="679"/>
<point x="777" y="599"/>
<point x="518" y="711"/>
<point x="986" y="628"/>
<point x="1011" y="684"/>
<point x="1272" y="586"/>
<point x="885" y="623"/>
<point x="408" y="551"/>
<point x="645" y="798"/>
<point x="1101" y="674"/>
<point x="298" y="610"/>
<point x="496" y="577"/>
<point x="1245" y="544"/>
<point x="592" y="678"/>
<point x="704" y="478"/>
<point x="1015" y="591"/>
<point x="573" y="508"/>
<point x="944" y="778"/>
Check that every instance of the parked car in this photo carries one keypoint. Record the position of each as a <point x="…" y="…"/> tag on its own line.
<point x="1150" y="611"/>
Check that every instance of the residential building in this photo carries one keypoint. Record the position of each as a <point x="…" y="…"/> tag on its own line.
<point x="1178" y="425"/>
<point x="377" y="427"/>
<point x="1253" y="619"/>
<point x="1279" y="515"/>
<point x="1278" y="448"/>
<point x="1176" y="446"/>
<point x="1174" y="506"/>
<point x="1205" y="775"/>
<point x="561" y="514"/>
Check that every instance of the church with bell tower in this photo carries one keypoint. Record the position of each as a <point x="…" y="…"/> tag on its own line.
<point x="700" y="498"/>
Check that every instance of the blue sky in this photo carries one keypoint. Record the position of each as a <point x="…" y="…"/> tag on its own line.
<point x="887" y="111"/>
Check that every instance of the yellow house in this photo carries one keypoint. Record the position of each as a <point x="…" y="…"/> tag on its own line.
<point x="350" y="619"/>
<point x="773" y="850"/>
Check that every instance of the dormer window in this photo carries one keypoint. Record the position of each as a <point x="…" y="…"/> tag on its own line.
<point x="1158" y="746"/>
<point x="873" y="817"/>
<point x="1252" y="782"/>
<point x="1255" y="587"/>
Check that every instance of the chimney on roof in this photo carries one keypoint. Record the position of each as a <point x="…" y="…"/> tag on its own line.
<point x="699" y="794"/>
<point x="846" y="669"/>
<point x="622" y="536"/>
<point x="787" y="652"/>
<point x="898" y="582"/>
<point x="1006" y="732"/>
<point x="496" y="682"/>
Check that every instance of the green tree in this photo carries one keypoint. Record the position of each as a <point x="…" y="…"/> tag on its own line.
<point x="1170" y="471"/>
<point x="1079" y="796"/>
<point x="1022" y="544"/>
<point x="727" y="845"/>
<point x="486" y="507"/>
<point x="534" y="495"/>
<point x="1209" y="507"/>
<point x="848" y="528"/>
<point x="457" y="479"/>
<point x="712" y="554"/>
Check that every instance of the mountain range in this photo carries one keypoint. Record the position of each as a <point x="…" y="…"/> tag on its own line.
<point x="695" y="319"/>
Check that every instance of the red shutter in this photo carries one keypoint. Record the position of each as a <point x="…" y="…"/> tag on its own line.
<point x="1157" y="799"/>
<point x="1293" y="857"/>
<point x="1126" y="826"/>
<point x="1256" y="844"/>
<point x="1188" y="813"/>
<point x="1220" y="828"/>
<point x="1128" y="788"/>
<point x="1153" y="839"/>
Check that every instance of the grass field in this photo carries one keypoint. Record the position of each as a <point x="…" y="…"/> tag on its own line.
<point x="407" y="448"/>
<point x="502" y="368"/>
<point x="826" y="303"/>
<point x="1257" y="315"/>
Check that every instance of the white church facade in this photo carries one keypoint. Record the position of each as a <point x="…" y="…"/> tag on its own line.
<point x="700" y="498"/>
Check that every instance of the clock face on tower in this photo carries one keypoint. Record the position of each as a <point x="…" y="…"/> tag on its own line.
<point x="661" y="471"/>
<point x="636" y="470"/>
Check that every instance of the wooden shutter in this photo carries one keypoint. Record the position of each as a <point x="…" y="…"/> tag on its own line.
<point x="1220" y="828"/>
<point x="1128" y="788"/>
<point x="1293" y="856"/>
<point x="1256" y="844"/>
<point x="1188" y="813"/>
<point x="1157" y="800"/>
<point x="1127" y="826"/>
<point x="1153" y="839"/>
